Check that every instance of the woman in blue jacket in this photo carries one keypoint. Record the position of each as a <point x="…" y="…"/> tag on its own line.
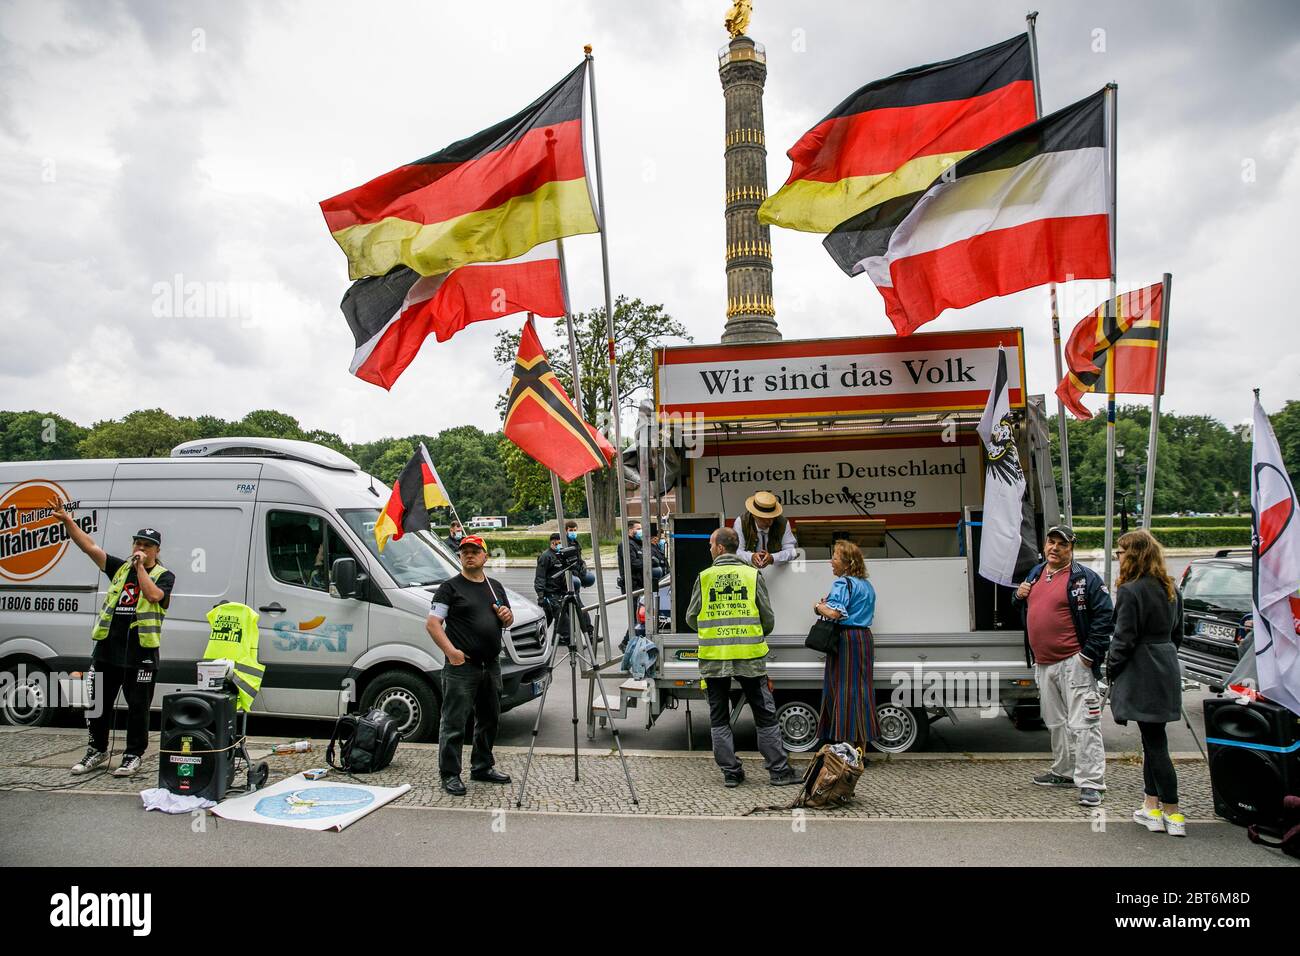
<point x="848" y="706"/>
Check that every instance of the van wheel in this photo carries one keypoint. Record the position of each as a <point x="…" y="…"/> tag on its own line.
<point x="409" y="700"/>
<point x="797" y="719"/>
<point x="901" y="728"/>
<point x="26" y="704"/>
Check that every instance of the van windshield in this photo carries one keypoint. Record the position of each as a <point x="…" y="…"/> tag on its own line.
<point x="414" y="560"/>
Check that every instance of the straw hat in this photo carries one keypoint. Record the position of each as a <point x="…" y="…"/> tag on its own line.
<point x="763" y="504"/>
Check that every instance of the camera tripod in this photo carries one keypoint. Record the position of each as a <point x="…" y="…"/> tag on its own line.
<point x="577" y="645"/>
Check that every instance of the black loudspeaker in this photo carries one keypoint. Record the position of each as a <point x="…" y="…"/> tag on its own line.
<point x="1254" y="753"/>
<point x="197" y="754"/>
<point x="688" y="557"/>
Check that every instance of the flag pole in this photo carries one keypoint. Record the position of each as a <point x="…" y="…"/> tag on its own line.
<point x="616" y="404"/>
<point x="1149" y="497"/>
<point x="576" y="376"/>
<point x="1063" y="435"/>
<point x="1112" y="127"/>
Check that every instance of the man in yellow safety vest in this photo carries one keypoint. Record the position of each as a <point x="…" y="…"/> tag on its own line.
<point x="126" y="636"/>
<point x="731" y="611"/>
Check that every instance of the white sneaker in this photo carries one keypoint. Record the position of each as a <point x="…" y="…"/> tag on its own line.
<point x="92" y="760"/>
<point x="129" y="767"/>
<point x="1176" y="824"/>
<point x="1153" y="820"/>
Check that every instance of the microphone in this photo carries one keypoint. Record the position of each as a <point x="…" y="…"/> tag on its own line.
<point x="852" y="499"/>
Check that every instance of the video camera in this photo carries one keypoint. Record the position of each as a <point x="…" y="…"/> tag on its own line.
<point x="566" y="559"/>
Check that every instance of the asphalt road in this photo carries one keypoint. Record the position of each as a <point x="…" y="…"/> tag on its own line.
<point x="43" y="829"/>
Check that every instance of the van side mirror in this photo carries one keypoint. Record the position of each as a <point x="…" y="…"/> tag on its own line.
<point x="346" y="578"/>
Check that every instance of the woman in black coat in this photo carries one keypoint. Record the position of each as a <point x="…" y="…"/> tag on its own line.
<point x="1142" y="667"/>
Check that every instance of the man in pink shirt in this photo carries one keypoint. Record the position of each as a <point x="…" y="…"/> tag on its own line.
<point x="1067" y="615"/>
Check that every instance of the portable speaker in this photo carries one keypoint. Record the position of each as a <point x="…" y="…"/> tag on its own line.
<point x="197" y="756"/>
<point x="688" y="555"/>
<point x="1254" y="753"/>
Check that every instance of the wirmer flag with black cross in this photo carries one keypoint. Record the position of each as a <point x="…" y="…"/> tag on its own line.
<point x="1007" y="549"/>
<point x="489" y="197"/>
<point x="1276" y="517"/>
<point x="390" y="316"/>
<point x="1116" y="355"/>
<point x="1029" y="209"/>
<point x="894" y="136"/>
<point x="416" y="490"/>
<point x="542" y="421"/>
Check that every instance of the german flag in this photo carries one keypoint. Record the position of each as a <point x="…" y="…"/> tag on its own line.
<point x="542" y="421"/>
<point x="489" y="197"/>
<point x="896" y="136"/>
<point x="416" y="490"/>
<point x="1117" y="355"/>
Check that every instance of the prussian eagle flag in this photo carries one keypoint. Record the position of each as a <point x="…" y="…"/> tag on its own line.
<point x="1031" y="208"/>
<point x="390" y="316"/>
<point x="1007" y="551"/>
<point x="892" y="137"/>
<point x="488" y="197"/>
<point x="416" y="490"/>
<point x="1276" y="518"/>
<point x="542" y="421"/>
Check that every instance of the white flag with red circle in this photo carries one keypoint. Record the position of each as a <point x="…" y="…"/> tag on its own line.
<point x="1276" y="540"/>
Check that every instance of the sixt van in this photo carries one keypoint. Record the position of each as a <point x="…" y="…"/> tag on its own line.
<point x="286" y="527"/>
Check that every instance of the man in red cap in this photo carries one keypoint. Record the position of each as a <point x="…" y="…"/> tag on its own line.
<point x="469" y="614"/>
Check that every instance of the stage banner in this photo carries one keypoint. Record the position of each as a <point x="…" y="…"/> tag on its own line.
<point x="912" y="480"/>
<point x="836" y="378"/>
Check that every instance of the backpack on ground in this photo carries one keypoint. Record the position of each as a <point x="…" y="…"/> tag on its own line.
<point x="829" y="781"/>
<point x="1290" y="842"/>
<point x="366" y="742"/>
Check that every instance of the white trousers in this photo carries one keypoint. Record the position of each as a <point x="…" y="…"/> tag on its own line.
<point x="1066" y="692"/>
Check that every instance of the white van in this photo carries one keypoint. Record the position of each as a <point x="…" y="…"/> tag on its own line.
<point x="285" y="527"/>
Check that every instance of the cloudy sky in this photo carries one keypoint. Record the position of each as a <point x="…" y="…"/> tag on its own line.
<point x="146" y="143"/>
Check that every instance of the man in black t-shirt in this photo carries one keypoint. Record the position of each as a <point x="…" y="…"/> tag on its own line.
<point x="122" y="660"/>
<point x="468" y="614"/>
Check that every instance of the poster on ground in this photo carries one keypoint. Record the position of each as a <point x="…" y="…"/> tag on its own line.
<point x="309" y="804"/>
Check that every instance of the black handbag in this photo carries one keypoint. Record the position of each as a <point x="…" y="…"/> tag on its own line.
<point x="823" y="637"/>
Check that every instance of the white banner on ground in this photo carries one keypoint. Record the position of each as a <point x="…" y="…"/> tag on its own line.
<point x="309" y="804"/>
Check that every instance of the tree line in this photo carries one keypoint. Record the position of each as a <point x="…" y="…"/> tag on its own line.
<point x="1202" y="464"/>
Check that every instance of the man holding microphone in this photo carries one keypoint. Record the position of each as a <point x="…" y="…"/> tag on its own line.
<point x="127" y="635"/>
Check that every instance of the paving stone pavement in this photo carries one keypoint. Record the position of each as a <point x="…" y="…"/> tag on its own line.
<point x="907" y="787"/>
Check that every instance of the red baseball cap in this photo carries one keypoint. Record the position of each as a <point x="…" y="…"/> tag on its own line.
<point x="472" y="540"/>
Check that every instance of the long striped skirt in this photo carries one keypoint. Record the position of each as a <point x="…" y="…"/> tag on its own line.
<point x="848" y="705"/>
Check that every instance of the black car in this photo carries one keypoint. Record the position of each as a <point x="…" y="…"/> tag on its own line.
<point x="1216" y="615"/>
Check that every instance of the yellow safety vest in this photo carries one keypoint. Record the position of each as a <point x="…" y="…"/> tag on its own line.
<point x="729" y="626"/>
<point x="233" y="637"/>
<point x="148" y="616"/>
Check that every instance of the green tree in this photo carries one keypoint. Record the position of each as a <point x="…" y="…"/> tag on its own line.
<point x="639" y="329"/>
<point x="469" y="462"/>
<point x="1200" y="461"/>
<point x="148" y="433"/>
<point x="390" y="464"/>
<point x="38" y="436"/>
<point x="267" y="423"/>
<point x="1286" y="426"/>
